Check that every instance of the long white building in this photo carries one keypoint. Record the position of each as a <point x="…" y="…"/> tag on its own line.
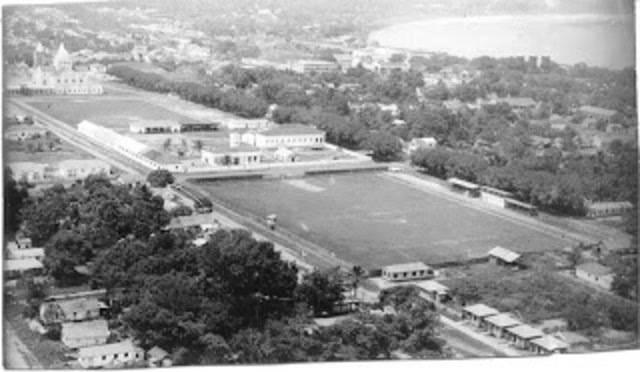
<point x="286" y="136"/>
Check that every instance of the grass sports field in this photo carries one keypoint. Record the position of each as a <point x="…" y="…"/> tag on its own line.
<point x="114" y="113"/>
<point x="370" y="220"/>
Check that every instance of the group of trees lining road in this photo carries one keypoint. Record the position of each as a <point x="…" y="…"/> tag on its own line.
<point x="232" y="300"/>
<point x="231" y="100"/>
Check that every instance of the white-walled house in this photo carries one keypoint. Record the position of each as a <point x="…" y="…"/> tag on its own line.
<point x="408" y="271"/>
<point x="120" y="354"/>
<point x="596" y="274"/>
<point x="30" y="171"/>
<point x="80" y="169"/>
<point x="289" y="136"/>
<point x="422" y="143"/>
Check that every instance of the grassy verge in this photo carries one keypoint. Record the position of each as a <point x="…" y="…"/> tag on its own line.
<point x="50" y="354"/>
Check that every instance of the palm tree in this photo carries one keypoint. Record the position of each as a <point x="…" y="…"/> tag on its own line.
<point x="167" y="145"/>
<point x="198" y="145"/>
<point x="357" y="273"/>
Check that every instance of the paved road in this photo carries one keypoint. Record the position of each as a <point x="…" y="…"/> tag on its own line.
<point x="16" y="354"/>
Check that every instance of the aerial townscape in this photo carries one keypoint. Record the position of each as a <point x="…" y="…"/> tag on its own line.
<point x="272" y="181"/>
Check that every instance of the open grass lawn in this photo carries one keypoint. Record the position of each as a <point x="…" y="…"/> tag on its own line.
<point x="114" y="113"/>
<point x="369" y="220"/>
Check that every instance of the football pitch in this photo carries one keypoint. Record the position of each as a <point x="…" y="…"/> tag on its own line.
<point x="370" y="220"/>
<point x="113" y="113"/>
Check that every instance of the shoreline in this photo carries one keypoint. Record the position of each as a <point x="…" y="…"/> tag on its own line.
<point x="512" y="38"/>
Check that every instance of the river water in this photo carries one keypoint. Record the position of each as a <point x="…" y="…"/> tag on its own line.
<point x="598" y="40"/>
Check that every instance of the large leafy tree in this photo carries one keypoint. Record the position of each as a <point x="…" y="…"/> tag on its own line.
<point x="320" y="290"/>
<point x="15" y="196"/>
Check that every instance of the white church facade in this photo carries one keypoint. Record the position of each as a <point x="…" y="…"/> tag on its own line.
<point x="58" y="77"/>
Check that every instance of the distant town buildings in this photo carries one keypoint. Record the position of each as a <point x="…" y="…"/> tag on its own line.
<point x="314" y="66"/>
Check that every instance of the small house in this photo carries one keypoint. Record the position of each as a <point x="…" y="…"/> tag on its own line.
<point x="497" y="324"/>
<point x="606" y="209"/>
<point x="30" y="171"/>
<point x="596" y="274"/>
<point x="20" y="243"/>
<point x="15" y="268"/>
<point x="522" y="335"/>
<point x="477" y="313"/>
<point x="422" y="143"/>
<point x="548" y="345"/>
<point x="504" y="257"/>
<point x="71" y="310"/>
<point x="158" y="357"/>
<point x="434" y="291"/>
<point x="597" y="113"/>
<point x="82" y="334"/>
<point x="80" y="169"/>
<point x="285" y="155"/>
<point x="120" y="354"/>
<point x="18" y="254"/>
<point x="408" y="271"/>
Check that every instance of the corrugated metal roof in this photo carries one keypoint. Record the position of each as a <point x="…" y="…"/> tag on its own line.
<point x="481" y="310"/>
<point x="525" y="331"/>
<point x="90" y="329"/>
<point x="550" y="343"/>
<point x="594" y="268"/>
<point x="504" y="254"/>
<point x="503" y="321"/>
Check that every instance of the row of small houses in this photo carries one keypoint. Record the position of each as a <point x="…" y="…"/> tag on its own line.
<point x="504" y="326"/>
<point x="84" y="330"/>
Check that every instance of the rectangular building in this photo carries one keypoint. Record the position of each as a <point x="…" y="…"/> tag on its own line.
<point x="314" y="66"/>
<point x="407" y="271"/>
<point x="607" y="209"/>
<point x="80" y="169"/>
<point x="82" y="334"/>
<point x="477" y="313"/>
<point x="120" y="354"/>
<point x="286" y="136"/>
<point x="497" y="324"/>
<point x="522" y="335"/>
<point x="595" y="273"/>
